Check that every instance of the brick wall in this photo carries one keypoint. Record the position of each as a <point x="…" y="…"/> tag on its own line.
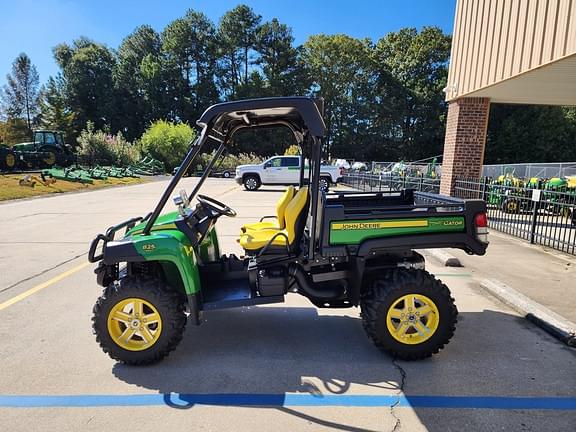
<point x="465" y="140"/>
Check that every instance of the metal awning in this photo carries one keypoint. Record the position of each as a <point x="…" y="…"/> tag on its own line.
<point x="553" y="83"/>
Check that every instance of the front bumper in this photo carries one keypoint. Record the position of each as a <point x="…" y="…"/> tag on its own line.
<point x="238" y="179"/>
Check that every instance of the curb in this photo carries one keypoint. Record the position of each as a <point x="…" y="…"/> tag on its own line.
<point x="445" y="258"/>
<point x="549" y="321"/>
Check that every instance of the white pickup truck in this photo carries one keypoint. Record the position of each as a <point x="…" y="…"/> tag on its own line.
<point x="282" y="170"/>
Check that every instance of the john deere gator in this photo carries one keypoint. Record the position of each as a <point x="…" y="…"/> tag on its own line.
<point x="339" y="250"/>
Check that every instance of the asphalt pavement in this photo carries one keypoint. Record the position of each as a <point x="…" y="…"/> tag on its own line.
<point x="284" y="367"/>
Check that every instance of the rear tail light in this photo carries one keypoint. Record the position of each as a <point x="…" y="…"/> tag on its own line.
<point x="481" y="220"/>
<point x="481" y="223"/>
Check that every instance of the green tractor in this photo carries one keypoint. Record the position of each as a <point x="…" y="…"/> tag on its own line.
<point x="47" y="149"/>
<point x="339" y="250"/>
<point x="560" y="196"/>
<point x="510" y="194"/>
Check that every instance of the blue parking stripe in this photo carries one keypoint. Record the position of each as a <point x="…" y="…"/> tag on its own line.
<point x="289" y="400"/>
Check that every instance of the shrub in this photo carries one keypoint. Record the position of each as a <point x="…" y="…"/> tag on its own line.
<point x="293" y="150"/>
<point x="168" y="142"/>
<point x="229" y="163"/>
<point x="99" y="147"/>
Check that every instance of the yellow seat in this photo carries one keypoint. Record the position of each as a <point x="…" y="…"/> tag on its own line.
<point x="295" y="218"/>
<point x="278" y="223"/>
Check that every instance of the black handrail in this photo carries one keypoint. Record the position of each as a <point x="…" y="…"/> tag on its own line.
<point x="207" y="171"/>
<point x="195" y="148"/>
<point x="315" y="161"/>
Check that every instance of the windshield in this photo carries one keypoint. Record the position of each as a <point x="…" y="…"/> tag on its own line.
<point x="39" y="137"/>
<point x="49" y="138"/>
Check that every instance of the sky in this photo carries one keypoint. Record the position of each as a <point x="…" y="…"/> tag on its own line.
<point x="36" y="26"/>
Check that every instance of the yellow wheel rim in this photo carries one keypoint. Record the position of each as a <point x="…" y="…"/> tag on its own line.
<point x="50" y="159"/>
<point x="10" y="160"/>
<point x="412" y="319"/>
<point x="134" y="324"/>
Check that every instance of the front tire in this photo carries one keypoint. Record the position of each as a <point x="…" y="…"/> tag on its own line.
<point x="50" y="157"/>
<point x="408" y="314"/>
<point x="251" y="183"/>
<point x="138" y="321"/>
<point x="324" y="184"/>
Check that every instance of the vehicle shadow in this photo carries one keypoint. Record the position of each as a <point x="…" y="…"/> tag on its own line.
<point x="266" y="189"/>
<point x="270" y="351"/>
<point x="277" y="351"/>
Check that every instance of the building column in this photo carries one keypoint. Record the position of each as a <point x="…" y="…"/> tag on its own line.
<point x="465" y="140"/>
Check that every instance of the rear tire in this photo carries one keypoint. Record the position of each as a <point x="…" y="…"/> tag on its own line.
<point x="7" y="160"/>
<point x="226" y="174"/>
<point x="408" y="335"/>
<point x="252" y="183"/>
<point x="149" y="341"/>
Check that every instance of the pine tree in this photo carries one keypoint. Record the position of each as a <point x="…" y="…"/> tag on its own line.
<point x="21" y="93"/>
<point x="54" y="113"/>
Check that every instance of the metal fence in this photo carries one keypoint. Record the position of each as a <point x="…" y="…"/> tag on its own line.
<point x="386" y="182"/>
<point x="529" y="170"/>
<point x="545" y="217"/>
<point x="521" y="170"/>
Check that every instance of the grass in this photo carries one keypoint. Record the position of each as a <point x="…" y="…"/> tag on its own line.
<point x="11" y="189"/>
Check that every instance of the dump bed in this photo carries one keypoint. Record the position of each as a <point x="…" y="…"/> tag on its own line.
<point x="367" y="223"/>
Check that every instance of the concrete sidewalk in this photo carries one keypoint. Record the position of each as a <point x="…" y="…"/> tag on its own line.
<point x="545" y="276"/>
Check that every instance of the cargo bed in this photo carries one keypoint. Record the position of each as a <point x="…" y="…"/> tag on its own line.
<point x="367" y="223"/>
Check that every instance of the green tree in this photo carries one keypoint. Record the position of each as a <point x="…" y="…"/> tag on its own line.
<point x="87" y="71"/>
<point x="411" y="73"/>
<point x="263" y="142"/>
<point x="21" y="93"/>
<point x="281" y="63"/>
<point x="188" y="44"/>
<point x="237" y="36"/>
<point x="141" y="103"/>
<point x="341" y="71"/>
<point x="524" y="133"/>
<point x="14" y="131"/>
<point x="54" y="114"/>
<point x="168" y="142"/>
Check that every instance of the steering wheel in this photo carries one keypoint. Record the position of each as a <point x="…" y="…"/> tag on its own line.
<point x="216" y="206"/>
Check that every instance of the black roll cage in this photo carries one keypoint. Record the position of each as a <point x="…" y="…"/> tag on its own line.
<point x="220" y="122"/>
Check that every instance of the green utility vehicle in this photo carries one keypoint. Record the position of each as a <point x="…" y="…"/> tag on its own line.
<point x="339" y="250"/>
<point x="47" y="149"/>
